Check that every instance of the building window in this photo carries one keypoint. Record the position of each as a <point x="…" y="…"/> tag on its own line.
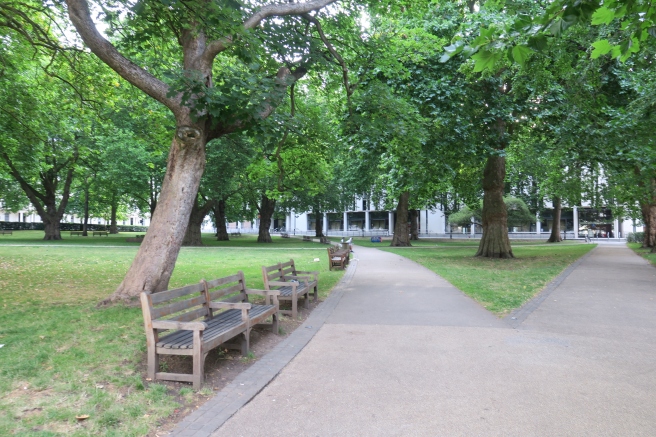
<point x="364" y="204"/>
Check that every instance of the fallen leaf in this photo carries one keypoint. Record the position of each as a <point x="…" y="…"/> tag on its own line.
<point x="82" y="417"/>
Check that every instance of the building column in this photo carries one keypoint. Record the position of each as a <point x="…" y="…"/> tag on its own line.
<point x="616" y="227"/>
<point x="538" y="224"/>
<point x="473" y="227"/>
<point x="391" y="222"/>
<point x="367" y="225"/>
<point x="576" y="221"/>
<point x="325" y="223"/>
<point x="345" y="225"/>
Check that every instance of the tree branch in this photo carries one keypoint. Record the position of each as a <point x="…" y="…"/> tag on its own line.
<point x="78" y="11"/>
<point x="345" y="77"/>
<point x="275" y="10"/>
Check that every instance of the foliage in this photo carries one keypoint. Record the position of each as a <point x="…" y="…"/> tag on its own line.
<point x="635" y="237"/>
<point x="518" y="213"/>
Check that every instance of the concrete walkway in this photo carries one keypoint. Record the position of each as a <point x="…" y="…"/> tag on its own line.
<point x="404" y="353"/>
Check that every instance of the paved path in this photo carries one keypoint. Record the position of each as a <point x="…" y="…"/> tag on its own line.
<point x="403" y="353"/>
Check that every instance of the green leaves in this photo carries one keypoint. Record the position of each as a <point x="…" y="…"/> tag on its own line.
<point x="485" y="60"/>
<point x="602" y="15"/>
<point x="521" y="53"/>
<point x="601" y="48"/>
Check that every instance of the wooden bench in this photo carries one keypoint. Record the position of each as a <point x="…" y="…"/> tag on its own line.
<point x="6" y="232"/>
<point x="337" y="258"/>
<point x="284" y="235"/>
<point x="324" y="240"/>
<point x="100" y="233"/>
<point x="307" y="238"/>
<point x="291" y="283"/>
<point x="235" y="234"/>
<point x="78" y="233"/>
<point x="193" y="326"/>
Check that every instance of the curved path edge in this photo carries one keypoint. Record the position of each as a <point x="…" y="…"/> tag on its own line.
<point x="518" y="316"/>
<point x="211" y="415"/>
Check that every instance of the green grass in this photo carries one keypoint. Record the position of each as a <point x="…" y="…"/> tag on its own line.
<point x="499" y="285"/>
<point x="63" y="357"/>
<point x="445" y="242"/>
<point x="645" y="253"/>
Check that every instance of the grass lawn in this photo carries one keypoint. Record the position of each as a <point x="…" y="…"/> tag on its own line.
<point x="62" y="357"/>
<point x="645" y="253"/>
<point x="499" y="285"/>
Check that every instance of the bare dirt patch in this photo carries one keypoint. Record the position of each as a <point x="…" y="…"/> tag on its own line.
<point x="221" y="367"/>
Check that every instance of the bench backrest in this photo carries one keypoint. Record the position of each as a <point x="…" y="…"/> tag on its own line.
<point x="278" y="272"/>
<point x="194" y="305"/>
<point x="226" y="287"/>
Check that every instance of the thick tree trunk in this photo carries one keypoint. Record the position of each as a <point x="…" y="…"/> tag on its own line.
<point x="401" y="236"/>
<point x="494" y="242"/>
<point x="267" y="208"/>
<point x="152" y="267"/>
<point x="113" y="226"/>
<point x="51" y="227"/>
<point x="555" y="227"/>
<point x="414" y="225"/>
<point x="318" y="229"/>
<point x="649" y="221"/>
<point x="220" y="221"/>
<point x="193" y="236"/>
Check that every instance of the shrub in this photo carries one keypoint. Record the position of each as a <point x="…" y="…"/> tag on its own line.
<point x="635" y="237"/>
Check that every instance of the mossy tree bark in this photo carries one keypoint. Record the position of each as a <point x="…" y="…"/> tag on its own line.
<point x="555" y="227"/>
<point x="494" y="242"/>
<point x="401" y="236"/>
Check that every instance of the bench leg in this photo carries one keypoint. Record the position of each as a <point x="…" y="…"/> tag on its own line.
<point x="316" y="292"/>
<point x="199" y="368"/>
<point x="245" y="342"/>
<point x="274" y="324"/>
<point x="306" y="301"/>
<point x="294" y="307"/>
<point x="153" y="363"/>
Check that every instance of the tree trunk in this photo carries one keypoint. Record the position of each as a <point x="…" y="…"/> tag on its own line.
<point x="113" y="226"/>
<point x="555" y="227"/>
<point x="318" y="229"/>
<point x="494" y="242"/>
<point x="401" y="236"/>
<point x="51" y="227"/>
<point x="220" y="221"/>
<point x="153" y="265"/>
<point x="414" y="225"/>
<point x="266" y="213"/>
<point x="649" y="221"/>
<point x="86" y="210"/>
<point x="193" y="236"/>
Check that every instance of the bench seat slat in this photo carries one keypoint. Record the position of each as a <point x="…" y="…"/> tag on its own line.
<point x="216" y="326"/>
<point x="220" y="324"/>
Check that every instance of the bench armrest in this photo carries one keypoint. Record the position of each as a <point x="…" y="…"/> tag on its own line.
<point x="263" y="292"/>
<point x="313" y="273"/>
<point x="284" y="284"/>
<point x="174" y="324"/>
<point x="298" y="278"/>
<point x="231" y="305"/>
<point x="270" y="296"/>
